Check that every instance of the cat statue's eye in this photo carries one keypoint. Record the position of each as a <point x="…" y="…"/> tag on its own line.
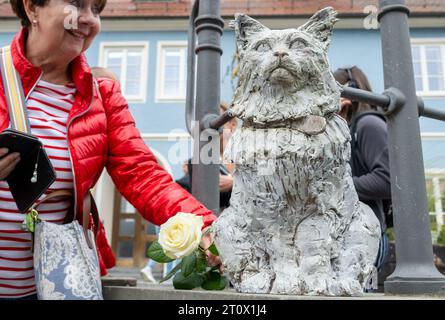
<point x="298" y="44"/>
<point x="263" y="47"/>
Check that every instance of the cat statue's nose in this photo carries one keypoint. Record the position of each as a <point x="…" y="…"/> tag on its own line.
<point x="280" y="54"/>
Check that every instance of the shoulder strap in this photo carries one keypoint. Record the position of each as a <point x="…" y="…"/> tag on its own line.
<point x="89" y="207"/>
<point x="15" y="97"/>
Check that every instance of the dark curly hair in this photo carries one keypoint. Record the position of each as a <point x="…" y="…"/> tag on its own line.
<point x="19" y="9"/>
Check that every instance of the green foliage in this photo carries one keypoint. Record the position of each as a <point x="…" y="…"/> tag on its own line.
<point x="156" y="253"/>
<point x="214" y="250"/>
<point x="172" y="272"/>
<point x="201" y="262"/>
<point x="214" y="281"/>
<point x="189" y="264"/>
<point x="194" y="280"/>
<point x="430" y="197"/>
<point x="441" y="237"/>
<point x="390" y="234"/>
<point x="193" y="271"/>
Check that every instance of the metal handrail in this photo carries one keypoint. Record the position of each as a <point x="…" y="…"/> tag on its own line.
<point x="385" y="100"/>
<point x="366" y="96"/>
<point x="203" y="97"/>
<point x="429" y="112"/>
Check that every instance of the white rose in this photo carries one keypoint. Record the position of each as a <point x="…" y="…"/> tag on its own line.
<point x="180" y="235"/>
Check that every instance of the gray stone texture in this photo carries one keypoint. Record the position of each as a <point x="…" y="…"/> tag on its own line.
<point x="295" y="225"/>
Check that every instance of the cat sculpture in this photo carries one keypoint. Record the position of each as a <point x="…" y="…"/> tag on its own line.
<point x="295" y="224"/>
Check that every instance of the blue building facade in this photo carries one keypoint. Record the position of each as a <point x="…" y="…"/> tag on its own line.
<point x="151" y="65"/>
<point x="161" y="120"/>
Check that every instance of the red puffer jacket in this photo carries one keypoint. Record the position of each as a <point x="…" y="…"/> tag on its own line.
<point x="102" y="133"/>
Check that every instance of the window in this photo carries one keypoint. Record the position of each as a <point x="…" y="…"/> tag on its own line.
<point x="172" y="71"/>
<point x="429" y="67"/>
<point x="129" y="62"/>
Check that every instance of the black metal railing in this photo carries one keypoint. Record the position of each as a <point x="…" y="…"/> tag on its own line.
<point x="203" y="97"/>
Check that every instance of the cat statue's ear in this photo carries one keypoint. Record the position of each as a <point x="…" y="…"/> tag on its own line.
<point x="246" y="29"/>
<point x="321" y="24"/>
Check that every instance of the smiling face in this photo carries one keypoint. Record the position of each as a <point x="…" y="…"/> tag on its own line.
<point x="66" y="27"/>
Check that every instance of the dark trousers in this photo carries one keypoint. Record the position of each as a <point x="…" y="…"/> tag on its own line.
<point x="383" y="251"/>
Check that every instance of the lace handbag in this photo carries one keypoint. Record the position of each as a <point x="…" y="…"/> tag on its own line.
<point x="66" y="264"/>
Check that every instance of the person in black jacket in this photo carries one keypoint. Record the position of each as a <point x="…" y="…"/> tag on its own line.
<point x="369" y="152"/>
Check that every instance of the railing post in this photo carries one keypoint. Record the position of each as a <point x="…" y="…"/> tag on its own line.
<point x="205" y="175"/>
<point x="415" y="272"/>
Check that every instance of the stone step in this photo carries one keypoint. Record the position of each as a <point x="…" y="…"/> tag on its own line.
<point x="148" y="291"/>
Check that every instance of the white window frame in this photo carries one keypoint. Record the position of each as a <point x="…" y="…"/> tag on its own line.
<point x="142" y="97"/>
<point x="429" y="41"/>
<point x="433" y="136"/>
<point x="160" y="95"/>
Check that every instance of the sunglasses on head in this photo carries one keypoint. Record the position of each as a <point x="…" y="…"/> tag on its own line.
<point x="351" y="80"/>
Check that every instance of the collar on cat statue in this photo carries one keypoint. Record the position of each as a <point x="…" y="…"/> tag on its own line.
<point x="310" y="125"/>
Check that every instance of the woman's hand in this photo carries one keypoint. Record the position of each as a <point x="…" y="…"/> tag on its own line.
<point x="7" y="162"/>
<point x="225" y="183"/>
<point x="206" y="242"/>
<point x="345" y="105"/>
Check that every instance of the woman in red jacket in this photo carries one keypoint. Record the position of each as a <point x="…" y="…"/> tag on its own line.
<point x="84" y="124"/>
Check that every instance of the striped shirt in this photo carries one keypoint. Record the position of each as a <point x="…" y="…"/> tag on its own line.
<point x="48" y="107"/>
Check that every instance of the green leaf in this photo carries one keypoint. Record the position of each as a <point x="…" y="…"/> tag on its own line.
<point x="172" y="272"/>
<point x="213" y="249"/>
<point x="214" y="281"/>
<point x="187" y="283"/>
<point x="201" y="262"/>
<point x="188" y="264"/>
<point x="156" y="253"/>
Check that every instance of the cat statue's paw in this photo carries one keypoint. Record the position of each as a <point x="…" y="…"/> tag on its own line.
<point x="259" y="282"/>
